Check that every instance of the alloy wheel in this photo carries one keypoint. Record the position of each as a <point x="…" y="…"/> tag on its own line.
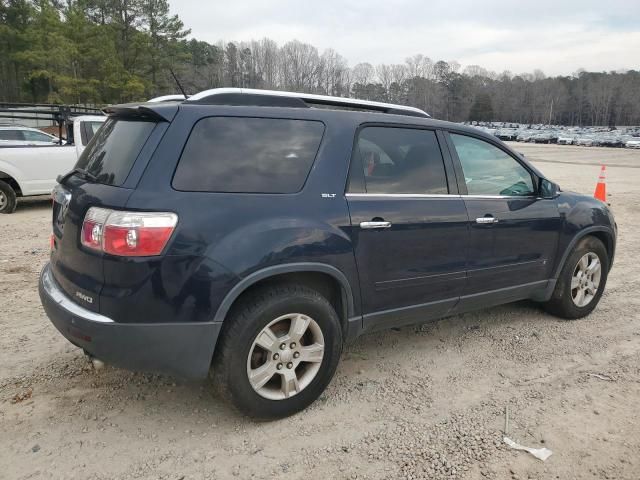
<point x="586" y="279"/>
<point x="285" y="356"/>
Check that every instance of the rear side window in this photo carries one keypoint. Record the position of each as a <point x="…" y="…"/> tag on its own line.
<point x="400" y="161"/>
<point x="114" y="148"/>
<point x="248" y="155"/>
<point x="11" y="135"/>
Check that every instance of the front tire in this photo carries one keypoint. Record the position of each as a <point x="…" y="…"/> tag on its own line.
<point x="8" y="199"/>
<point x="581" y="281"/>
<point x="278" y="351"/>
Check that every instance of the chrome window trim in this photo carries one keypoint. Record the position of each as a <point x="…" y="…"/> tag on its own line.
<point x="442" y="195"/>
<point x="403" y="195"/>
<point x="508" y="197"/>
<point x="53" y="290"/>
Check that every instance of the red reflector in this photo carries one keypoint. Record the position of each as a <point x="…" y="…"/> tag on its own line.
<point x="74" y="332"/>
<point x="52" y="242"/>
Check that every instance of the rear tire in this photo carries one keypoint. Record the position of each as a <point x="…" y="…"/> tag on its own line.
<point x="8" y="199"/>
<point x="581" y="281"/>
<point x="259" y="335"/>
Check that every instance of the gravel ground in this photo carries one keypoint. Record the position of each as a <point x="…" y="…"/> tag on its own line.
<point x="420" y="402"/>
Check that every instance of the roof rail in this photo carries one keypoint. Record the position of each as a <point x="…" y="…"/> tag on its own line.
<point x="167" y="98"/>
<point x="305" y="99"/>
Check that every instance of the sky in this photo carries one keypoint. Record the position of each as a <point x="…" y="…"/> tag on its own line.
<point x="558" y="37"/>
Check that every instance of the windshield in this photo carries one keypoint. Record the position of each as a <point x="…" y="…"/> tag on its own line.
<point x="114" y="148"/>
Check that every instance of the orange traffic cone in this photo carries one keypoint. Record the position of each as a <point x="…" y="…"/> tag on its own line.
<point x="601" y="187"/>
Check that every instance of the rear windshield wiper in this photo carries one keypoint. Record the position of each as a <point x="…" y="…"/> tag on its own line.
<point x="80" y="171"/>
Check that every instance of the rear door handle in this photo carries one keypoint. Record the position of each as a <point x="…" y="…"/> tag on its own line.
<point x="372" y="225"/>
<point x="486" y="220"/>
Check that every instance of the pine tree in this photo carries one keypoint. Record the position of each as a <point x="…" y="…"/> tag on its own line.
<point x="481" y="109"/>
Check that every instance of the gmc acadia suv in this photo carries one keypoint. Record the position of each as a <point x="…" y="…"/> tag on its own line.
<point x="252" y="233"/>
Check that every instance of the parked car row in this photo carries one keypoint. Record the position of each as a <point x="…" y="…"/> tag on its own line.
<point x="628" y="137"/>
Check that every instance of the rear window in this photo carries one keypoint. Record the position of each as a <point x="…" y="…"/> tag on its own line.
<point x="248" y="155"/>
<point x="114" y="148"/>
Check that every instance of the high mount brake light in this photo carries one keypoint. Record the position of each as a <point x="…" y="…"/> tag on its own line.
<point x="127" y="234"/>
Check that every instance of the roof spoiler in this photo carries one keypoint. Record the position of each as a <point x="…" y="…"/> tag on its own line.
<point x="158" y="112"/>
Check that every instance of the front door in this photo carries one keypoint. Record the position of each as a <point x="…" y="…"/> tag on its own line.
<point x="513" y="233"/>
<point x="409" y="229"/>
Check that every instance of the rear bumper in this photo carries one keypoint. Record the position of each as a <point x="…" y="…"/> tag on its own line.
<point x="183" y="349"/>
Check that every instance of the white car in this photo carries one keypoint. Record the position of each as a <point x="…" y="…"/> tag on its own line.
<point x="27" y="169"/>
<point x="20" y="135"/>
<point x="587" y="142"/>
<point x="566" y="140"/>
<point x="632" y="143"/>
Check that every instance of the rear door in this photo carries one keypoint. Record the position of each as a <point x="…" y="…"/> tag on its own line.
<point x="513" y="232"/>
<point x="409" y="225"/>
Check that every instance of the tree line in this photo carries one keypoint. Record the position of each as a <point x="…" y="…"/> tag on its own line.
<point x="113" y="51"/>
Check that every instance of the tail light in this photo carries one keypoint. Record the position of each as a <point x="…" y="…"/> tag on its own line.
<point x="127" y="234"/>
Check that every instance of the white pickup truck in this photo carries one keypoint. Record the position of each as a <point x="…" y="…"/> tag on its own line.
<point x="32" y="170"/>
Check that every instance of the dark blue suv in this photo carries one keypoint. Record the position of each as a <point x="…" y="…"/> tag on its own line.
<point x="252" y="233"/>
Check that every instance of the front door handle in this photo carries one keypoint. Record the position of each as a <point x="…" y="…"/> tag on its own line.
<point x="489" y="219"/>
<point x="371" y="225"/>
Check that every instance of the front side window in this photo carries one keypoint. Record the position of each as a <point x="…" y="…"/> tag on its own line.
<point x="32" y="136"/>
<point x="490" y="171"/>
<point x="248" y="155"/>
<point x="401" y="161"/>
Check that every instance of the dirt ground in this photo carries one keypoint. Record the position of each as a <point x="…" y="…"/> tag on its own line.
<point x="420" y="402"/>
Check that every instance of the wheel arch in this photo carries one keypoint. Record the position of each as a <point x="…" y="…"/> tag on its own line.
<point x="12" y="182"/>
<point x="308" y="273"/>
<point x="601" y="232"/>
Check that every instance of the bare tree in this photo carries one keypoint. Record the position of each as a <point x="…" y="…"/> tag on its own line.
<point x="300" y="65"/>
<point x="385" y="76"/>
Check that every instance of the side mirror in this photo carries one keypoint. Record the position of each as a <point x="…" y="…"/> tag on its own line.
<point x="548" y="189"/>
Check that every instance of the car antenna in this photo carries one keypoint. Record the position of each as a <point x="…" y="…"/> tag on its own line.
<point x="178" y="83"/>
